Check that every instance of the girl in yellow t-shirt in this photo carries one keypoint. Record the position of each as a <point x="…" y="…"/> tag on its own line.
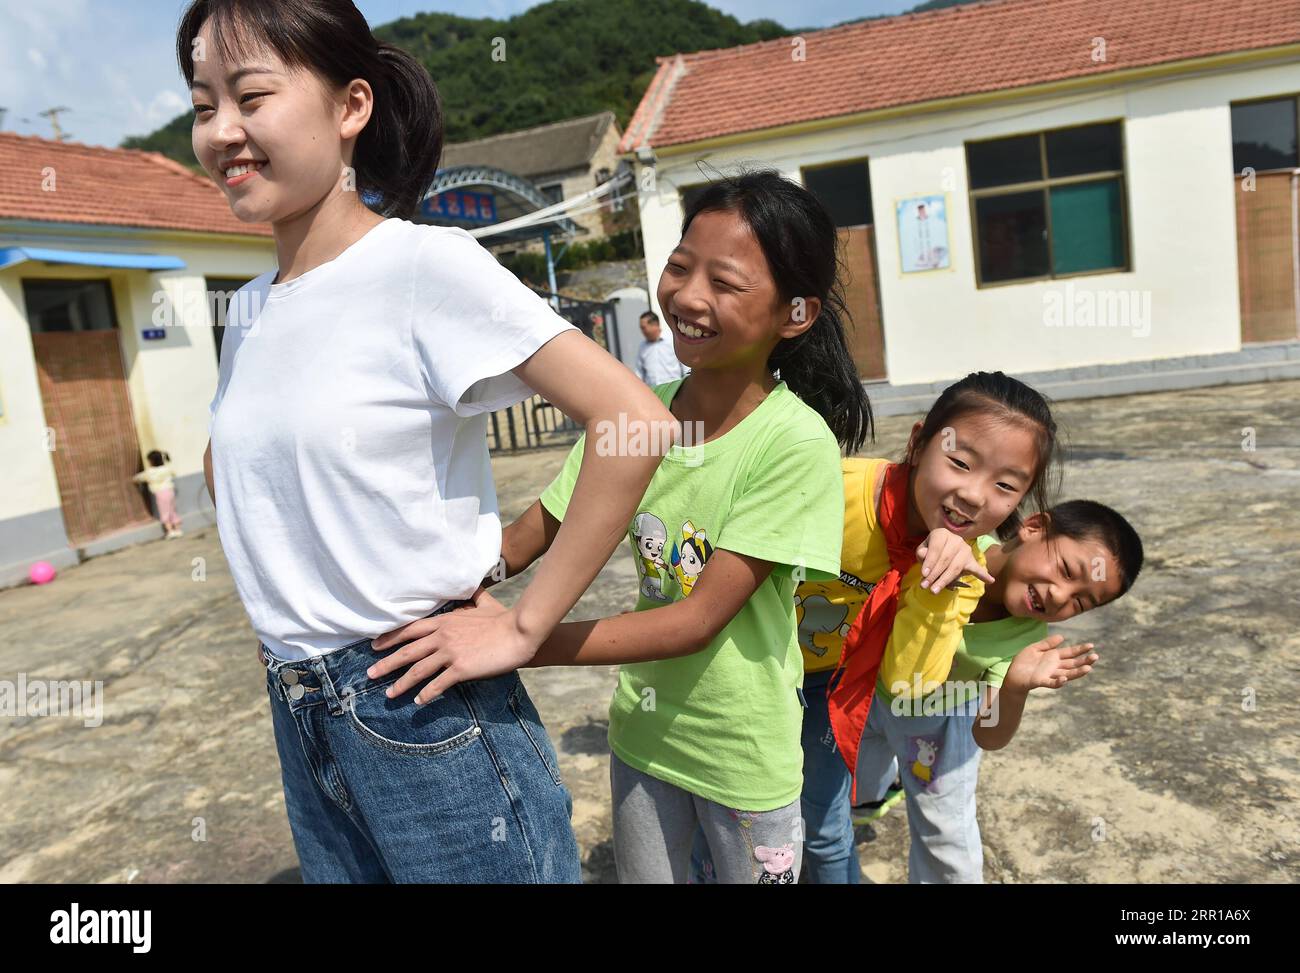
<point x="987" y="444"/>
<point x="910" y="532"/>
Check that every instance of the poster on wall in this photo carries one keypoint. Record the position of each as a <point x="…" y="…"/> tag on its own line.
<point x="923" y="233"/>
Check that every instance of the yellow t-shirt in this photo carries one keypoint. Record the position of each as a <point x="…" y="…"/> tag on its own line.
<point x="927" y="627"/>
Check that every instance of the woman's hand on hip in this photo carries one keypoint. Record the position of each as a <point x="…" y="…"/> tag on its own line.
<point x="477" y="641"/>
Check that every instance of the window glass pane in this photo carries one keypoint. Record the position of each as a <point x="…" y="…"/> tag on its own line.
<point x="220" y="291"/>
<point x="1002" y="162"/>
<point x="1077" y="151"/>
<point x="1264" y="135"/>
<point x="845" y="191"/>
<point x="68" y="305"/>
<point x="1087" y="227"/>
<point x="1012" y="236"/>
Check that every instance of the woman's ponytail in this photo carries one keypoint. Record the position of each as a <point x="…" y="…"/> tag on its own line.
<point x="398" y="152"/>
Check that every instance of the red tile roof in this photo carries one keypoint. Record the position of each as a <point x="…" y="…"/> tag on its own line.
<point x="916" y="58"/>
<point x="114" y="187"/>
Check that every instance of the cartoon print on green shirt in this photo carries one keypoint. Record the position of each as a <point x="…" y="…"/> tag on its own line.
<point x="649" y="535"/>
<point x="820" y="621"/>
<point x="689" y="556"/>
<point x="776" y="493"/>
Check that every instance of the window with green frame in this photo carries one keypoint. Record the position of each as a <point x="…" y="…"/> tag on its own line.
<point x="1049" y="204"/>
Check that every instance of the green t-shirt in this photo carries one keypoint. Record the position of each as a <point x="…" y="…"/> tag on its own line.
<point x="984" y="655"/>
<point x="724" y="723"/>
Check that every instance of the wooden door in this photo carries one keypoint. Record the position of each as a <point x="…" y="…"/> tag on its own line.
<point x="1267" y="226"/>
<point x="861" y="296"/>
<point x="91" y="432"/>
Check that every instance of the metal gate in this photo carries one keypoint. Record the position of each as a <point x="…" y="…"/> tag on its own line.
<point x="535" y="422"/>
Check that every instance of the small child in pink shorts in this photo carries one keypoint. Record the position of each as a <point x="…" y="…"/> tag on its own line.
<point x="161" y="480"/>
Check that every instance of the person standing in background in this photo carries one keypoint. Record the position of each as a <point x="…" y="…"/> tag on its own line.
<point x="656" y="362"/>
<point x="161" y="480"/>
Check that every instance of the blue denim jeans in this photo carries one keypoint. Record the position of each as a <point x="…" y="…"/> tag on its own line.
<point x="463" y="789"/>
<point x="829" y="856"/>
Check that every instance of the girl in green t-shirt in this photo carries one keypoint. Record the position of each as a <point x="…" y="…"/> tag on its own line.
<point x="1077" y="556"/>
<point x="705" y="720"/>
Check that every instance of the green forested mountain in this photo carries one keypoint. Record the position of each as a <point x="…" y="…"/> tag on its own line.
<point x="562" y="59"/>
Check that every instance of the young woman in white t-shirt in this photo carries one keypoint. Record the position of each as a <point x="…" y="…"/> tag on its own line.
<point x="348" y="456"/>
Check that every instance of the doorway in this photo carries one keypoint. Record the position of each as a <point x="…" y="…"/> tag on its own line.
<point x="90" y="430"/>
<point x="844" y="188"/>
<point x="1266" y="175"/>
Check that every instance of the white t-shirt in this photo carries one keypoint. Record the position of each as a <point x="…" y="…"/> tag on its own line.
<point x="349" y="433"/>
<point x="656" y="362"/>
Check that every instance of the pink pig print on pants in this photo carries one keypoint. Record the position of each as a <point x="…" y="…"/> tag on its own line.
<point x="778" y="865"/>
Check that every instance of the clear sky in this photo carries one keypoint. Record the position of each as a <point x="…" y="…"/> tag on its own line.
<point x="111" y="62"/>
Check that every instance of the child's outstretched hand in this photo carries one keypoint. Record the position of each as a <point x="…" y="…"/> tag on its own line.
<point x="944" y="558"/>
<point x="475" y="641"/>
<point x="1045" y="665"/>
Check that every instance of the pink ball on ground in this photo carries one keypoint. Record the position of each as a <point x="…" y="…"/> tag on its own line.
<point x="42" y="572"/>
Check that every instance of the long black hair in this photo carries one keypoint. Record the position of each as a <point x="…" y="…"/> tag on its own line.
<point x="1008" y="400"/>
<point x="397" y="153"/>
<point x="798" y="239"/>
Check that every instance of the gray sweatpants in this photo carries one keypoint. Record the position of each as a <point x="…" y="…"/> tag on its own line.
<point x="655" y="822"/>
<point x="938" y="761"/>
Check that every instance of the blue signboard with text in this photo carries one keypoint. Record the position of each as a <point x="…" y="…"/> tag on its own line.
<point x="461" y="206"/>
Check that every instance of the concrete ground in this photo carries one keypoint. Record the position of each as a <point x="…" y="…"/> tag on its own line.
<point x="1175" y="761"/>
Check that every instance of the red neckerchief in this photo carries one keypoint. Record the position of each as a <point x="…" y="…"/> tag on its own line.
<point x="850" y="698"/>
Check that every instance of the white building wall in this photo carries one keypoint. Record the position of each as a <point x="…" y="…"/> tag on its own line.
<point x="170" y="380"/>
<point x="29" y="482"/>
<point x="1182" y="230"/>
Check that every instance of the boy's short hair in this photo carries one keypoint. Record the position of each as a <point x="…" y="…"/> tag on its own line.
<point x="1084" y="520"/>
